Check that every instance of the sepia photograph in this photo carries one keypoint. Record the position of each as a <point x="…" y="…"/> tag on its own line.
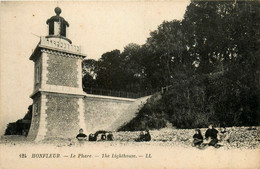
<point x="130" y="84"/>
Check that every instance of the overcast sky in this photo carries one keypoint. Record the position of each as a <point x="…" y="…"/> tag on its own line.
<point x="98" y="27"/>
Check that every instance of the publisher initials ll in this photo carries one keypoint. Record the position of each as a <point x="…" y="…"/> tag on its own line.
<point x="148" y="156"/>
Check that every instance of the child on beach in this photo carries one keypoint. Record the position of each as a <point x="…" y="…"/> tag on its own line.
<point x="81" y="136"/>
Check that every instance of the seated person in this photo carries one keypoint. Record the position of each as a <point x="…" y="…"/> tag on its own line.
<point x="81" y="136"/>
<point x="103" y="136"/>
<point x="92" y="137"/>
<point x="223" y="135"/>
<point x="211" y="135"/>
<point x="110" y="137"/>
<point x="141" y="137"/>
<point x="147" y="136"/>
<point x="197" y="138"/>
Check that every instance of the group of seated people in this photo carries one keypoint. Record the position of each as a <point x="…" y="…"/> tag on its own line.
<point x="104" y="136"/>
<point x="144" y="136"/>
<point x="108" y="136"/>
<point x="212" y="137"/>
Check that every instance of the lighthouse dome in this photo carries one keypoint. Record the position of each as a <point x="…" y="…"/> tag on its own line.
<point x="57" y="24"/>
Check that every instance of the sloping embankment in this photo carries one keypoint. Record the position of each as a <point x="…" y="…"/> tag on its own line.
<point x="129" y="113"/>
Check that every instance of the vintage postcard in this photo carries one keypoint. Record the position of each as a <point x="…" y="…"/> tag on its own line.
<point x="129" y="84"/>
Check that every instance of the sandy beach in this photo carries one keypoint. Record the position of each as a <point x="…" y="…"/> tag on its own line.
<point x="133" y="155"/>
<point x="169" y="152"/>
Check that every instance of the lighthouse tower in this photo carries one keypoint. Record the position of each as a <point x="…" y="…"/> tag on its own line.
<point x="58" y="108"/>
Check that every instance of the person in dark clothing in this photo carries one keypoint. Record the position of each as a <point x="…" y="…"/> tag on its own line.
<point x="197" y="138"/>
<point x="81" y="136"/>
<point x="110" y="136"/>
<point x="147" y="136"/>
<point x="141" y="137"/>
<point x="211" y="135"/>
<point x="92" y="137"/>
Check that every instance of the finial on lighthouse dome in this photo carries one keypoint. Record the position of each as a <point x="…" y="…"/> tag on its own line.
<point x="57" y="25"/>
<point x="57" y="10"/>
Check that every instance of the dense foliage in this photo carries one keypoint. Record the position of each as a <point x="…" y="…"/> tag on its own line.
<point x="21" y="126"/>
<point x="210" y="60"/>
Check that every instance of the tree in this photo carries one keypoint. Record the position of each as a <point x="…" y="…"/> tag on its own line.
<point x="89" y="67"/>
<point x="211" y="61"/>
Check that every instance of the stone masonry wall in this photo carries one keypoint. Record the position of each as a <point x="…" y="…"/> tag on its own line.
<point x="100" y="113"/>
<point x="62" y="71"/>
<point x="62" y="116"/>
<point x="129" y="113"/>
